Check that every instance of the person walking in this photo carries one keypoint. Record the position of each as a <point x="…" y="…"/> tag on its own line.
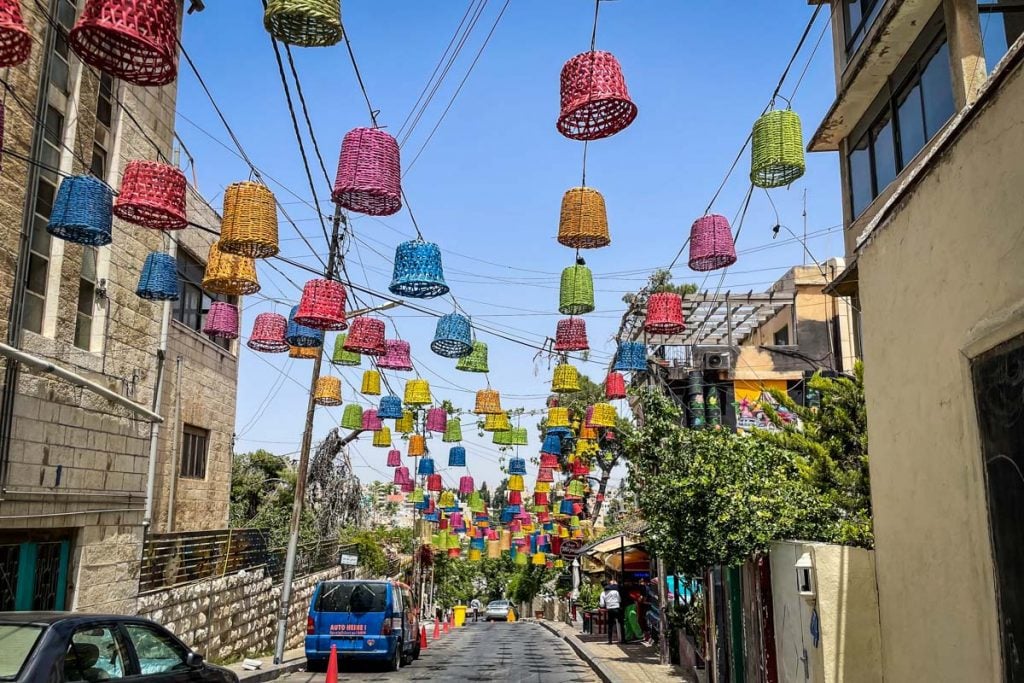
<point x="612" y="601"/>
<point x="475" y="606"/>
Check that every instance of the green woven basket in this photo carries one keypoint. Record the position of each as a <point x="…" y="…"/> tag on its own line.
<point x="576" y="295"/>
<point x="352" y="418"/>
<point x="452" y="432"/>
<point x="777" y="149"/>
<point x="308" y="23"/>
<point x="476" y="361"/>
<point x="343" y="357"/>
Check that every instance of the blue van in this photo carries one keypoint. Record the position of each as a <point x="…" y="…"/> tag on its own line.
<point x="370" y="620"/>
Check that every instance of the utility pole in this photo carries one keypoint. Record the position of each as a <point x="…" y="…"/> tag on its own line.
<point x="302" y="472"/>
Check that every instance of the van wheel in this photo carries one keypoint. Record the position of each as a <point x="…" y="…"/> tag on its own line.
<point x="406" y="657"/>
<point x="396" y="661"/>
<point x="416" y="650"/>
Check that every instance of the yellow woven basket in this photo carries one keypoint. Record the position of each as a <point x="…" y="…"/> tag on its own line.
<point x="371" y="383"/>
<point x="566" y="379"/>
<point x="328" y="391"/>
<point x="250" y="221"/>
<point x="303" y="352"/>
<point x="417" y="392"/>
<point x="229" y="274"/>
<point x="584" y="220"/>
<point x="558" y="417"/>
<point x="382" y="438"/>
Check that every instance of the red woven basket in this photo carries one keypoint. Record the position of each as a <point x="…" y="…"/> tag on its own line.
<point x="322" y="305"/>
<point x="152" y="195"/>
<point x="134" y="40"/>
<point x="711" y="243"/>
<point x="268" y="333"/>
<point x="571" y="335"/>
<point x="15" y="40"/>
<point x="369" y="173"/>
<point x="664" y="314"/>
<point x="595" y="102"/>
<point x="614" y="386"/>
<point x="366" y="336"/>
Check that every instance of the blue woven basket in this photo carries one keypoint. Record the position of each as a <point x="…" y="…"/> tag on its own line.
<point x="418" y="272"/>
<point x="159" y="278"/>
<point x="390" y="408"/>
<point x="426" y="466"/>
<point x="560" y="432"/>
<point x="552" y="444"/>
<point x="631" y="356"/>
<point x="302" y="336"/>
<point x="83" y="211"/>
<point x="517" y="466"/>
<point x="453" y="337"/>
<point x="566" y="507"/>
<point x="457" y="457"/>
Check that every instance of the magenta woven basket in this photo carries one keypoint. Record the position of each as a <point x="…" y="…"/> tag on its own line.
<point x="437" y="420"/>
<point x="371" y="423"/>
<point x="134" y="40"/>
<point x="322" y="305"/>
<point x="15" y="40"/>
<point x="396" y="356"/>
<point x="268" y="333"/>
<point x="711" y="244"/>
<point x="395" y="459"/>
<point x="571" y="335"/>
<point x="222" y="321"/>
<point x="369" y="173"/>
<point x="595" y="102"/>
<point x="664" y="314"/>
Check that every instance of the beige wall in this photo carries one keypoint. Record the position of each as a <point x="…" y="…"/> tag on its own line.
<point x="940" y="282"/>
<point x="792" y="615"/>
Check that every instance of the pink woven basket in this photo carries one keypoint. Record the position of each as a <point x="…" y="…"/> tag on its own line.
<point x="152" y="195"/>
<point x="15" y="40"/>
<point x="222" y="320"/>
<point x="396" y="356"/>
<point x="664" y="314"/>
<point x="711" y="244"/>
<point x="595" y="102"/>
<point x="369" y="173"/>
<point x="322" y="305"/>
<point x="571" y="335"/>
<point x="268" y="332"/>
<point x="437" y="420"/>
<point x="134" y="40"/>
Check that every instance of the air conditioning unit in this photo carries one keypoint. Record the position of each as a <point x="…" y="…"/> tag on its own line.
<point x="715" y="360"/>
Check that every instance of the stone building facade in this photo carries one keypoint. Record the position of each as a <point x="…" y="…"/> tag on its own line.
<point x="73" y="465"/>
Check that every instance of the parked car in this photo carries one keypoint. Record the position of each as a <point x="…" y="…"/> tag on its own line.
<point x="369" y="620"/>
<point x="497" y="609"/>
<point x="42" y="647"/>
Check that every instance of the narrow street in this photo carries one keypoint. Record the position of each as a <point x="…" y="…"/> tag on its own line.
<point x="479" y="652"/>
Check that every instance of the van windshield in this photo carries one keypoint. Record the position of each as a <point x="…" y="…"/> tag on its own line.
<point x="352" y="596"/>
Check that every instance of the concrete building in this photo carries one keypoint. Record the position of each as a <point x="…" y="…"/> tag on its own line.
<point x="73" y="464"/>
<point x="927" y="123"/>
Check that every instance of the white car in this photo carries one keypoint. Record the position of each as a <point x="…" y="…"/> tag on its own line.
<point x="497" y="610"/>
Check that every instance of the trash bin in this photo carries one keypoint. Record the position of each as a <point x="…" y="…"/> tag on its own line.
<point x="460" y="615"/>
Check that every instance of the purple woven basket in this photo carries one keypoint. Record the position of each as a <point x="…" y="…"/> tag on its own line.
<point x="369" y="173"/>
<point x="711" y="244"/>
<point x="222" y="320"/>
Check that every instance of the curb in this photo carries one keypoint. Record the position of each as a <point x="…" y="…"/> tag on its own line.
<point x="577" y="645"/>
<point x="263" y="675"/>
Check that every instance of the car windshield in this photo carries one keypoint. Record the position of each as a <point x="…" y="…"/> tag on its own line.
<point x="497" y="604"/>
<point x="16" y="643"/>
<point x="352" y="596"/>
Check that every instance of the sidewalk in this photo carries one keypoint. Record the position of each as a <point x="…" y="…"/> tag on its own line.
<point x="628" y="663"/>
<point x="293" y="661"/>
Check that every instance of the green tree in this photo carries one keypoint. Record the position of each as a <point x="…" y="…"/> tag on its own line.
<point x="496" y="574"/>
<point x="262" y="493"/>
<point x="528" y="582"/>
<point x="454" y="580"/>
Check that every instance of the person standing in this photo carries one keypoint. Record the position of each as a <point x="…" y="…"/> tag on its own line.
<point x="612" y="602"/>
<point x="475" y="606"/>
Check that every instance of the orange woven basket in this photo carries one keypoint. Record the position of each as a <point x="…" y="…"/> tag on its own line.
<point x="229" y="274"/>
<point x="328" y="391"/>
<point x="488" y="402"/>
<point x="303" y="352"/>
<point x="584" y="220"/>
<point x="250" y="221"/>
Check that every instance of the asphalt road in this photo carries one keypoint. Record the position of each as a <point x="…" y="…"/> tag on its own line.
<point x="515" y="653"/>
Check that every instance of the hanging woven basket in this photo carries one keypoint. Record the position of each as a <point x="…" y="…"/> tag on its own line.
<point x="352" y="418"/>
<point x="417" y="445"/>
<point x="390" y="408"/>
<point x="558" y="417"/>
<point x="406" y="424"/>
<point x="576" y="294"/>
<point x="476" y="361"/>
<point x="15" y="39"/>
<point x="664" y="314"/>
<point x="300" y="335"/>
<point x="268" y="331"/>
<point x="152" y="195"/>
<point x="631" y="357"/>
<point x="394" y="458"/>
<point x="328" y="391"/>
<point x="711" y="243"/>
<point x="306" y="23"/>
<point x="452" y="432"/>
<point x="382" y="438"/>
<point x="222" y="321"/>
<point x="369" y="173"/>
<point x="466" y="484"/>
<point x="371" y="383"/>
<point x="418" y="271"/>
<point x="776" y="149"/>
<point x="497" y="422"/>
<point x="371" y="423"/>
<point x="584" y="220"/>
<point x="249" y="227"/>
<point x="159" y="278"/>
<point x="343" y="357"/>
<point x="603" y="415"/>
<point x="517" y="466"/>
<point x="595" y="102"/>
<point x="229" y="274"/>
<point x="545" y="475"/>
<point x="322" y="305"/>
<point x="396" y="356"/>
<point x="566" y="379"/>
<point x="303" y="352"/>
<point x="417" y="392"/>
<point x="133" y="40"/>
<point x="82" y="212"/>
<point x="425" y="467"/>
<point x="437" y="420"/>
<point x="614" y="386"/>
<point x="457" y="458"/>
<point x="488" y="402"/>
<point x="515" y="483"/>
<point x="552" y="445"/>
<point x="434" y="483"/>
<point x="401" y="477"/>
<point x="587" y="433"/>
<point x="453" y="336"/>
<point x="571" y="335"/>
<point x="366" y="336"/>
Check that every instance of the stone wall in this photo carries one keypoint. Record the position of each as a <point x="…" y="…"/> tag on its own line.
<point x="234" y="616"/>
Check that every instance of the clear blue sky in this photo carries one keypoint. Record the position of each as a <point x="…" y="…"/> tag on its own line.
<point x="488" y="186"/>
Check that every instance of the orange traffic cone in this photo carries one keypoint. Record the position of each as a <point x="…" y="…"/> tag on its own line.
<point x="437" y="629"/>
<point x="423" y="637"/>
<point x="332" y="665"/>
<point x="447" y="629"/>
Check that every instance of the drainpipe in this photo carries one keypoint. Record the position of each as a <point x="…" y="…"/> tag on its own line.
<point x="176" y="451"/>
<point x="154" y="430"/>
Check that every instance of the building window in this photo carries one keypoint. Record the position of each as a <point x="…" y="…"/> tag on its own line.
<point x="105" y="101"/>
<point x="1002" y="22"/>
<point x="39" y="249"/>
<point x="193" y="303"/>
<point x="781" y="336"/>
<point x="998" y="383"/>
<point x="60" y="67"/>
<point x="910" y="111"/>
<point x="194" y="442"/>
<point x="86" y="299"/>
<point x="858" y="16"/>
